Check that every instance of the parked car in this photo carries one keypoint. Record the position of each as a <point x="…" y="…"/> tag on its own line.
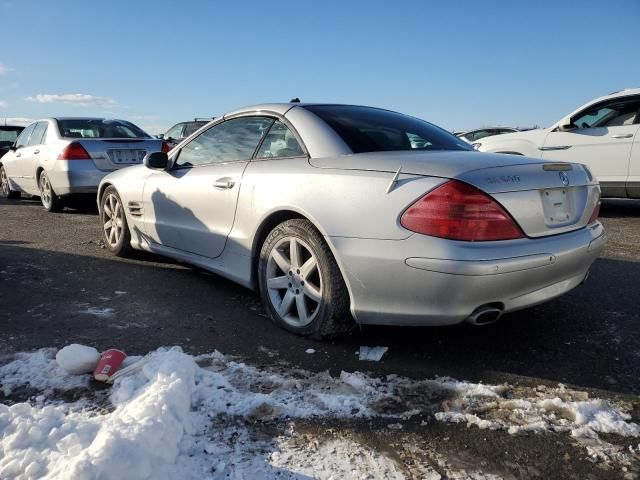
<point x="602" y="134"/>
<point x="8" y="135"/>
<point x="55" y="158"/>
<point x="182" y="130"/>
<point x="338" y="212"/>
<point x="472" y="136"/>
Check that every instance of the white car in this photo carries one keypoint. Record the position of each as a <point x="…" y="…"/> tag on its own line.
<point x="603" y="134"/>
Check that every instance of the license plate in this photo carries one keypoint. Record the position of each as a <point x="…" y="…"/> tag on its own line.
<point x="558" y="208"/>
<point x="126" y="156"/>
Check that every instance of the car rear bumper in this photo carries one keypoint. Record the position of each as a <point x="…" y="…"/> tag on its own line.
<point x="430" y="281"/>
<point x="75" y="177"/>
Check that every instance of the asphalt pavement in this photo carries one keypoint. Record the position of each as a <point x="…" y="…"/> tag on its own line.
<point x="59" y="285"/>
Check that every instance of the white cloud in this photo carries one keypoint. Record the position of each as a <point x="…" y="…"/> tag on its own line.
<point x="3" y="69"/>
<point x="3" y="104"/>
<point x="77" y="99"/>
<point x="16" y="121"/>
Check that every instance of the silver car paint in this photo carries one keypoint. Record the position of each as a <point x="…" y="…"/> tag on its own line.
<point x="67" y="177"/>
<point x="394" y="276"/>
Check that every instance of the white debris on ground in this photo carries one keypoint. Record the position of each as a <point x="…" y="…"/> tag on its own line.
<point x="191" y="418"/>
<point x="77" y="359"/>
<point x="310" y="351"/>
<point x="371" y="354"/>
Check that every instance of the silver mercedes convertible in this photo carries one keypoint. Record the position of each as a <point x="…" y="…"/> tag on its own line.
<point x="344" y="214"/>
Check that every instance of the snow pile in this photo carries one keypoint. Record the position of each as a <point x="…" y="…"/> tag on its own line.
<point x="206" y="417"/>
<point x="38" y="371"/>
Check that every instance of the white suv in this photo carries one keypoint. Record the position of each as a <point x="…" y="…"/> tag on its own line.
<point x="603" y="134"/>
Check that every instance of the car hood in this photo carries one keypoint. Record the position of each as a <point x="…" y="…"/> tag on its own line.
<point x="532" y="135"/>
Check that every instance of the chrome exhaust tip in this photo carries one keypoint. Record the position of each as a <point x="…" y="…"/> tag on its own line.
<point x="484" y="315"/>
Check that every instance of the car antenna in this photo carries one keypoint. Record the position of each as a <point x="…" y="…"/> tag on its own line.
<point x="394" y="180"/>
<point x="294" y="100"/>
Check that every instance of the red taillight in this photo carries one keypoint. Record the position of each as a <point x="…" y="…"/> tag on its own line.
<point x="458" y="211"/>
<point x="166" y="147"/>
<point x="596" y="212"/>
<point x="74" y="151"/>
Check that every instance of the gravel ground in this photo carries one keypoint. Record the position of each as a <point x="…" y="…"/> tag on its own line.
<point x="58" y="286"/>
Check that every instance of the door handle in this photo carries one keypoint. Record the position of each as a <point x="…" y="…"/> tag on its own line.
<point x="18" y="154"/>
<point x="559" y="147"/>
<point x="224" y="183"/>
<point x="622" y="135"/>
<point x="36" y="151"/>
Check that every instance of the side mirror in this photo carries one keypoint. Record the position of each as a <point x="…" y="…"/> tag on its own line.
<point x="160" y="136"/>
<point x="156" y="160"/>
<point x="566" y="127"/>
<point x="13" y="147"/>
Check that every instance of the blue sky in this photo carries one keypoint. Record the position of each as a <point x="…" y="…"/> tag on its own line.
<point x="459" y="64"/>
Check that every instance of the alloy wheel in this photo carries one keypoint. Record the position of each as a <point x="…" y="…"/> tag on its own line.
<point x="294" y="281"/>
<point x="45" y="190"/>
<point x="112" y="220"/>
<point x="4" y="182"/>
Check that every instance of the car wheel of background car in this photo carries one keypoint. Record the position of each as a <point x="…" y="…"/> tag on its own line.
<point x="115" y="231"/>
<point x="5" y="188"/>
<point x="300" y="283"/>
<point x="48" y="197"/>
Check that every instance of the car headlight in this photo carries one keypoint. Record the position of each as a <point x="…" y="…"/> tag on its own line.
<point x="476" y="146"/>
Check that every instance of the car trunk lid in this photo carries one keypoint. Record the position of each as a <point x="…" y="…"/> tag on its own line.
<point x="544" y="198"/>
<point x="111" y="154"/>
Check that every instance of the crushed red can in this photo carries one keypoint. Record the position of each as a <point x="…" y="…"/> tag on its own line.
<point x="109" y="363"/>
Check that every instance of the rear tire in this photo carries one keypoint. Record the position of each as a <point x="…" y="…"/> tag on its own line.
<point x="5" y="187"/>
<point x="50" y="200"/>
<point x="300" y="282"/>
<point x="115" y="230"/>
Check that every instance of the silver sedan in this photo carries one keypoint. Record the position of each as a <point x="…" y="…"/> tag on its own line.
<point x="55" y="158"/>
<point x="346" y="214"/>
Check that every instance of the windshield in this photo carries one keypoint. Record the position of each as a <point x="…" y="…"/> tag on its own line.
<point x="366" y="129"/>
<point x="9" y="134"/>
<point x="99" y="128"/>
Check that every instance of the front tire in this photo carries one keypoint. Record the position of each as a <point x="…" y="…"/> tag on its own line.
<point x="50" y="201"/>
<point x="300" y="282"/>
<point x="5" y="187"/>
<point x="115" y="230"/>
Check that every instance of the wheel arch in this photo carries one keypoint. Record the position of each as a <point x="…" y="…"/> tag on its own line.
<point x="101" y="188"/>
<point x="274" y="219"/>
<point x="39" y="171"/>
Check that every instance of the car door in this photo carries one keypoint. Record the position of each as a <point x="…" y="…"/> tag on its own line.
<point x="33" y="153"/>
<point x="601" y="137"/>
<point x="15" y="162"/>
<point x="191" y="207"/>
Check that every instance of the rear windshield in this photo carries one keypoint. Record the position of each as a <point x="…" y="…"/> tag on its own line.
<point x="99" y="128"/>
<point x="366" y="129"/>
<point x="192" y="127"/>
<point x="9" y="134"/>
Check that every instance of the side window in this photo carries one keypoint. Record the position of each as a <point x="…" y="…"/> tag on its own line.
<point x="38" y="134"/>
<point x="228" y="141"/>
<point x="616" y="113"/>
<point x="23" y="139"/>
<point x="279" y="142"/>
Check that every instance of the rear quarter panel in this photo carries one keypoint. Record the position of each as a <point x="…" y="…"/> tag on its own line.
<point x="340" y="203"/>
